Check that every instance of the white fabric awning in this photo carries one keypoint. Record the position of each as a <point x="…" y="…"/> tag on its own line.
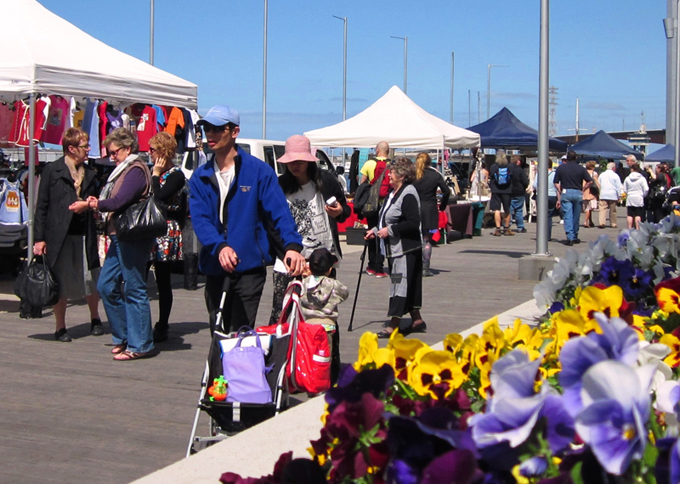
<point x="44" y="53"/>
<point x="394" y="118"/>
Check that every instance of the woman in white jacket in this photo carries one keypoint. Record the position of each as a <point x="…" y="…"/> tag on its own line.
<point x="635" y="189"/>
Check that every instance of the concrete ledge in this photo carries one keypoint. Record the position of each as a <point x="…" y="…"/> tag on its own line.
<point x="254" y="452"/>
<point x="534" y="267"/>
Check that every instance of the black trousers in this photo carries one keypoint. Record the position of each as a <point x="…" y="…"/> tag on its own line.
<point x="376" y="260"/>
<point x="244" y="291"/>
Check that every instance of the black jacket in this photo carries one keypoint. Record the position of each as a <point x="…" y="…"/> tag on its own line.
<point x="520" y="181"/>
<point x="427" y="191"/>
<point x="52" y="216"/>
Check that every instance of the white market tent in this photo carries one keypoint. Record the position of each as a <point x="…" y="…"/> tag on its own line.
<point x="394" y="118"/>
<point x="44" y="54"/>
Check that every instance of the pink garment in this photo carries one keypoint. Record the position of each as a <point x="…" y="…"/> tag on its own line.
<point x="57" y="120"/>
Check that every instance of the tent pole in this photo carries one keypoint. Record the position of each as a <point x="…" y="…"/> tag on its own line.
<point x="31" y="174"/>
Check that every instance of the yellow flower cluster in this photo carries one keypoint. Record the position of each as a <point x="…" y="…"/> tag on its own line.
<point x="470" y="359"/>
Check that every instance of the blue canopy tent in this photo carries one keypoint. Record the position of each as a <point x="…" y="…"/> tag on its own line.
<point x="605" y="146"/>
<point x="666" y="153"/>
<point x="504" y="130"/>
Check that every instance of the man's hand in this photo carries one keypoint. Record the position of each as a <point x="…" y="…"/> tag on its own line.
<point x="558" y="204"/>
<point x="295" y="262"/>
<point x="39" y="248"/>
<point x="228" y="259"/>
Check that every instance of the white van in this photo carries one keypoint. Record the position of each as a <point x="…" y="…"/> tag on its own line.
<point x="267" y="150"/>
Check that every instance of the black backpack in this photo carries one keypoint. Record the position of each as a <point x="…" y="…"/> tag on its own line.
<point x="367" y="198"/>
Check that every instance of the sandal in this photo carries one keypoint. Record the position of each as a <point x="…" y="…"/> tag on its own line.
<point x="385" y="334"/>
<point x="118" y="348"/>
<point x="418" y="328"/>
<point x="128" y="355"/>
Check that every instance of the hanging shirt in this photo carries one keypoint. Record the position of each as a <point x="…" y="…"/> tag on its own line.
<point x="91" y="127"/>
<point x="6" y="120"/>
<point x="58" y="120"/>
<point x="78" y="117"/>
<point x="146" y="127"/>
<point x="115" y="120"/>
<point x="19" y="133"/>
<point x="161" y="116"/>
<point x="13" y="208"/>
<point x="175" y="120"/>
<point x="103" y="124"/>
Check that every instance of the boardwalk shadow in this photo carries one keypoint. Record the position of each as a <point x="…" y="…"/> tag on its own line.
<point x="513" y="255"/>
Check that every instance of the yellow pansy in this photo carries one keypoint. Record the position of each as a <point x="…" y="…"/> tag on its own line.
<point x="453" y="343"/>
<point x="432" y="369"/>
<point x="595" y="300"/>
<point x="523" y="335"/>
<point x="404" y="353"/>
<point x="668" y="299"/>
<point x="672" y="341"/>
<point x="491" y="344"/>
<point x="371" y="354"/>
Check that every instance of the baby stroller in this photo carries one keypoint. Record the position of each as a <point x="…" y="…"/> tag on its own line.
<point x="229" y="418"/>
<point x="672" y="200"/>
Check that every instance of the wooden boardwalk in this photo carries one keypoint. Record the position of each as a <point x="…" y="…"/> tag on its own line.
<point x="70" y="413"/>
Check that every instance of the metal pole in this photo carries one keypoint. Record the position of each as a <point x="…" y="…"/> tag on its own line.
<point x="405" y="39"/>
<point x="671" y="68"/>
<point x="453" y="64"/>
<point x="543" y="159"/>
<point x="31" y="175"/>
<point x="469" y="110"/>
<point x="151" y="34"/>
<point x="264" y="74"/>
<point x="344" y="77"/>
<point x="488" y="88"/>
<point x="676" y="130"/>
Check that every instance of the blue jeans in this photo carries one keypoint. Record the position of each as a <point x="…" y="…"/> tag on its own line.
<point x="517" y="211"/>
<point x="571" y="211"/>
<point x="127" y="309"/>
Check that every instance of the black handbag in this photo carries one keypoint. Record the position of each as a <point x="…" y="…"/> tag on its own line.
<point x="142" y="220"/>
<point x="36" y="284"/>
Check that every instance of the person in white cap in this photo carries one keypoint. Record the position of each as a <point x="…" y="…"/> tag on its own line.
<point x="237" y="208"/>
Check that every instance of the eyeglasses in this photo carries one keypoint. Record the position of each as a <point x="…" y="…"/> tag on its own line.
<point x="152" y="150"/>
<point x="207" y="128"/>
<point x="85" y="147"/>
<point x="113" y="153"/>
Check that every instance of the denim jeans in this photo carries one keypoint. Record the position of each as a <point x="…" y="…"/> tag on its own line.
<point x="128" y="309"/>
<point x="571" y="211"/>
<point x="517" y="211"/>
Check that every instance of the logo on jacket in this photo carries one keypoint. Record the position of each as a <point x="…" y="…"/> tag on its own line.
<point x="245" y="188"/>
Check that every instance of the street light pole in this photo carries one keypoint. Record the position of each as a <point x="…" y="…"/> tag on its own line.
<point x="453" y="64"/>
<point x="676" y="131"/>
<point x="264" y="74"/>
<point x="344" y="69"/>
<point x="543" y="147"/>
<point x="405" y="39"/>
<point x="151" y="39"/>
<point x="488" y="88"/>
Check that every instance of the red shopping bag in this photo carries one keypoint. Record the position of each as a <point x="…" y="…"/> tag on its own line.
<point x="309" y="355"/>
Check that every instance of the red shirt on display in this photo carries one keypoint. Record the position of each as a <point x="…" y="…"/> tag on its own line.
<point x="20" y="131"/>
<point x="146" y="126"/>
<point x="57" y="120"/>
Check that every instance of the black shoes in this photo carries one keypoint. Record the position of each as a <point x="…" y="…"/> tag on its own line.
<point x="569" y="242"/>
<point x="160" y="333"/>
<point x="577" y="241"/>
<point x="96" y="328"/>
<point x="62" y="336"/>
<point x="521" y="231"/>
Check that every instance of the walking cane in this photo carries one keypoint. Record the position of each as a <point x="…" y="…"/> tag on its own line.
<point x="356" y="294"/>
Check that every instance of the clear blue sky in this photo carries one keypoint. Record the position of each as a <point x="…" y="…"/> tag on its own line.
<point x="609" y="53"/>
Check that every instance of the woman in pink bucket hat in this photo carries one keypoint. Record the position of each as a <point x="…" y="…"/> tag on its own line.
<point x="317" y="203"/>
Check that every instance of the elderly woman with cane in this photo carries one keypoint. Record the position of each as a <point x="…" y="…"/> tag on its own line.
<point x="400" y="238"/>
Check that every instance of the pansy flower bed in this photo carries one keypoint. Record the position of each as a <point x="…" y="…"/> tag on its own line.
<point x="589" y="394"/>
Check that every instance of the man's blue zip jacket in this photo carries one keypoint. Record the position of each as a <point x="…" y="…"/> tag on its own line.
<point x="254" y="199"/>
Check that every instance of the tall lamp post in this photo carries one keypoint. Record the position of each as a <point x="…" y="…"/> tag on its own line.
<point x="488" y="88"/>
<point x="344" y="69"/>
<point x="264" y="74"/>
<point x="405" y="39"/>
<point x="151" y="36"/>
<point x="453" y="64"/>
<point x="543" y="140"/>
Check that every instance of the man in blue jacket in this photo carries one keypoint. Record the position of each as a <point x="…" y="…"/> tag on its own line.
<point x="237" y="208"/>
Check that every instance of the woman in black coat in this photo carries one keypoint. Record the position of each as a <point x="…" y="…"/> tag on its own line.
<point x="428" y="180"/>
<point x="68" y="241"/>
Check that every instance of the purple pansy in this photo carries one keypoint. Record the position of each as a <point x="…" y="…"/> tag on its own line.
<point x="618" y="341"/>
<point x="515" y="407"/>
<point x="616" y="407"/>
<point x="634" y="281"/>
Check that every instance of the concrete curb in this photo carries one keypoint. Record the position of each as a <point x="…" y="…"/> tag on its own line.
<point x="254" y="452"/>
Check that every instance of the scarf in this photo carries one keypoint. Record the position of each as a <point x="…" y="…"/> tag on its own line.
<point x="111" y="180"/>
<point x="77" y="174"/>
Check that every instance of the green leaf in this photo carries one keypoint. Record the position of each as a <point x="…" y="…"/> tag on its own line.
<point x="576" y="476"/>
<point x="651" y="454"/>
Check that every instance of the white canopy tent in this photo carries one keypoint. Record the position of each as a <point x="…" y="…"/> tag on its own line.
<point x="394" y="118"/>
<point x="44" y="54"/>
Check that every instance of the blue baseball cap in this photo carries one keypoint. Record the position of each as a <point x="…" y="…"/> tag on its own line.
<point x="220" y="115"/>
